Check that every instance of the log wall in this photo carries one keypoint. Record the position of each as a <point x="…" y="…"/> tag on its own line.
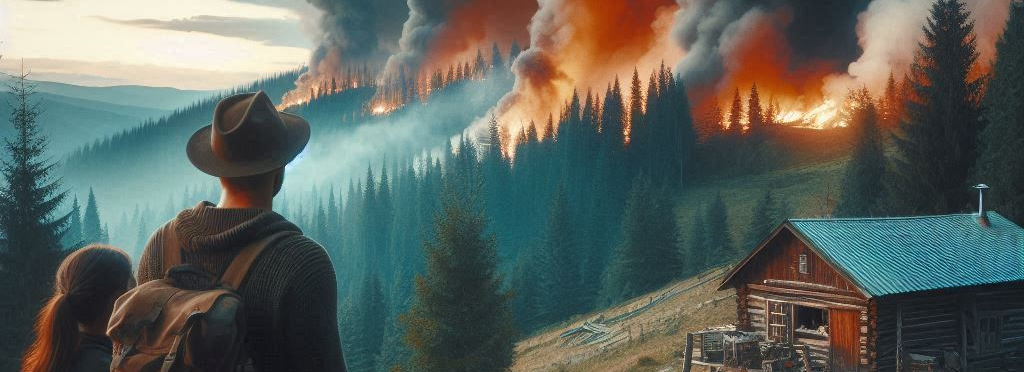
<point x="948" y="324"/>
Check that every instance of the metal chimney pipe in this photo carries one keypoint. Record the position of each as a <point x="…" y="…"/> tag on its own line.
<point x="982" y="212"/>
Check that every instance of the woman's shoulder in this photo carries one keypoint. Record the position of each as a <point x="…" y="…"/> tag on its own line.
<point x="94" y="354"/>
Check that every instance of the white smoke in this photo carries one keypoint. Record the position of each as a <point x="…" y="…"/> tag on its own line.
<point x="889" y="32"/>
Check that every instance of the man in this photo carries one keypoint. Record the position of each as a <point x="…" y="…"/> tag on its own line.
<point x="289" y="293"/>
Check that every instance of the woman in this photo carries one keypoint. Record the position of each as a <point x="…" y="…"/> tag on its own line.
<point x="71" y="328"/>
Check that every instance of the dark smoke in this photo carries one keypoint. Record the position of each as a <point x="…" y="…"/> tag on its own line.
<point x="353" y="32"/>
<point x="426" y="20"/>
<point x="813" y="31"/>
<point x="359" y="29"/>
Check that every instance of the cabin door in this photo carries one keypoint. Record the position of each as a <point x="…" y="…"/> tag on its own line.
<point x="844" y="339"/>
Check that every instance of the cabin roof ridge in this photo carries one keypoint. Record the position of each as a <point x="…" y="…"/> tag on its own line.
<point x="886" y="218"/>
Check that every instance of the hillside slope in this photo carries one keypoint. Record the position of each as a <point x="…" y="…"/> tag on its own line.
<point x="68" y="121"/>
<point x="808" y="185"/>
<point x="647" y="333"/>
<point x="644" y="334"/>
<point x="72" y="115"/>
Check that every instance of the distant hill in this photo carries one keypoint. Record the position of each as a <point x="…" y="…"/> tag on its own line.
<point x="73" y="115"/>
<point x="161" y="98"/>
<point x="68" y="122"/>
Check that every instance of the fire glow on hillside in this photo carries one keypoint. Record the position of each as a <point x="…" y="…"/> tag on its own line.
<point x="803" y="56"/>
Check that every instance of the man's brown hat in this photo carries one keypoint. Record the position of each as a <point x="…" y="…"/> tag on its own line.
<point x="248" y="137"/>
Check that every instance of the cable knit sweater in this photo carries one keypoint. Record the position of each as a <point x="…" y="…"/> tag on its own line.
<point x="290" y="293"/>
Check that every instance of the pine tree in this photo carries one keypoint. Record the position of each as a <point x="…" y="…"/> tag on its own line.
<point x="92" y="228"/>
<point x="862" y="180"/>
<point x="536" y="287"/>
<point x="736" y="114"/>
<point x="890" y="107"/>
<point x="73" y="236"/>
<point x="755" y="115"/>
<point x="561" y="241"/>
<point x="712" y="123"/>
<point x="332" y="233"/>
<point x="31" y="247"/>
<point x="720" y="249"/>
<point x="1000" y="163"/>
<point x="764" y="219"/>
<point x="461" y="319"/>
<point x="513" y="52"/>
<point x="936" y="144"/>
<point x="497" y="63"/>
<point x="636" y="102"/>
<point x="696" y="249"/>
<point x="770" y="111"/>
<point x="394" y="355"/>
<point x="368" y="323"/>
<point x="649" y="255"/>
<point x="480" y="66"/>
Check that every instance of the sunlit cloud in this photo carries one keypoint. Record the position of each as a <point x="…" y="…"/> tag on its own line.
<point x="190" y="44"/>
<point x="280" y="32"/>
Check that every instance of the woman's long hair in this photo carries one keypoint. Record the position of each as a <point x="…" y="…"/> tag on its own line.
<point x="87" y="282"/>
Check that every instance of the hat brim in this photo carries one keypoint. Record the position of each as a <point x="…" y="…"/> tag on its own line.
<point x="200" y="152"/>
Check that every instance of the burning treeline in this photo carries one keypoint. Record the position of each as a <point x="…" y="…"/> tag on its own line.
<point x="804" y="56"/>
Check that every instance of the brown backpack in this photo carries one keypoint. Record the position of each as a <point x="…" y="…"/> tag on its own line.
<point x="189" y="320"/>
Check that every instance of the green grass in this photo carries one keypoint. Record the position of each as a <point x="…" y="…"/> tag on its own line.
<point x="809" y="185"/>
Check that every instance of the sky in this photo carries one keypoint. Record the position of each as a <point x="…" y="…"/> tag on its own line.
<point x="185" y="44"/>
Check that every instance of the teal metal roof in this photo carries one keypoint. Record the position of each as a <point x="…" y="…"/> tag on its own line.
<point x="885" y="256"/>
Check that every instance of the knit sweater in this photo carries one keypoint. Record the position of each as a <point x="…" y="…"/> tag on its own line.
<point x="290" y="293"/>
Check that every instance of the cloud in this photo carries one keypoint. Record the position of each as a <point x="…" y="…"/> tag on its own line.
<point x="272" y="32"/>
<point x="283" y="4"/>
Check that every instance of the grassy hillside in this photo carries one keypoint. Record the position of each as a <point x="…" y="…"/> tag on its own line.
<point x="808" y="185"/>
<point x="644" y="334"/>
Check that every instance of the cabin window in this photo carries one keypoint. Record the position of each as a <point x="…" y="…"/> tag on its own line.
<point x="989" y="333"/>
<point x="780" y="321"/>
<point x="804" y="265"/>
<point x="811" y="321"/>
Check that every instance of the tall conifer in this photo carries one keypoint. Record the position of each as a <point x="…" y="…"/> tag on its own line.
<point x="862" y="180"/>
<point x="30" y="225"/>
<point x="1000" y="163"/>
<point x="936" y="141"/>
<point x="461" y="319"/>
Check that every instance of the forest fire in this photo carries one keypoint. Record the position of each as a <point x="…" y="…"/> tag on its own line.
<point x="567" y="36"/>
<point x="822" y="116"/>
<point x="806" y="58"/>
<point x="328" y="83"/>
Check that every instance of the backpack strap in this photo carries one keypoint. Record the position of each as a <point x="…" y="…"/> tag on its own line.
<point x="239" y="266"/>
<point x="171" y="254"/>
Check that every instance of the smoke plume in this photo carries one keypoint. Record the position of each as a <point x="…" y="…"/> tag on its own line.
<point x="585" y="44"/>
<point x="786" y="46"/>
<point x="889" y="31"/>
<point x="439" y="32"/>
<point x="353" y="32"/>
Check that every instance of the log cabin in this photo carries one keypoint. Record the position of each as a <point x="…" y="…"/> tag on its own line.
<point x="890" y="294"/>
